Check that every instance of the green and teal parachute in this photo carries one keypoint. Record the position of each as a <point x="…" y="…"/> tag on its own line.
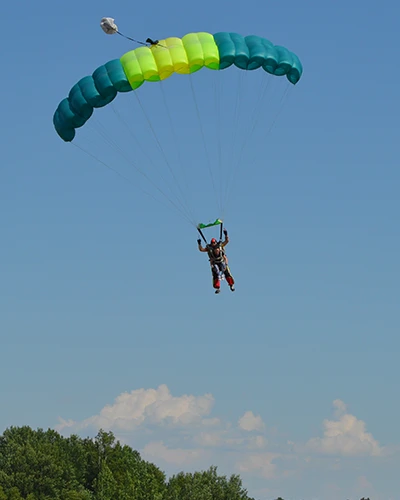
<point x="184" y="55"/>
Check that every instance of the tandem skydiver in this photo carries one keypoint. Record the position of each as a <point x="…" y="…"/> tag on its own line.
<point x="218" y="261"/>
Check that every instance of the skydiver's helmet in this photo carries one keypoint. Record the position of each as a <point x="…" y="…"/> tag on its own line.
<point x="213" y="242"/>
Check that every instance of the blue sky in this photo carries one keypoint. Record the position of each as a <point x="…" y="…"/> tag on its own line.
<point x="292" y="381"/>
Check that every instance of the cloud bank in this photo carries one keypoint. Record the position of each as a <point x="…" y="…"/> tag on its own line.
<point x="180" y="432"/>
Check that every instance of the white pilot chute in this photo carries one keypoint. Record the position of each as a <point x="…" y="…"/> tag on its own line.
<point x="108" y="25"/>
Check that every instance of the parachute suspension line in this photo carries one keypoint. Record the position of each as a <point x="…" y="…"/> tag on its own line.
<point x="217" y="107"/>
<point x="132" y="134"/>
<point x="269" y="129"/>
<point x="114" y="145"/>
<point x="238" y="105"/>
<point x="204" y="142"/>
<point x="162" y="152"/>
<point x="235" y="122"/>
<point x="257" y="110"/>
<point x="181" y="213"/>
<point x="256" y="113"/>
<point x="282" y="104"/>
<point x="139" y="145"/>
<point x="103" y="133"/>
<point x="101" y="161"/>
<point x="177" y="149"/>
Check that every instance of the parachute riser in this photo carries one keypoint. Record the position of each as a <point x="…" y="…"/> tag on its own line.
<point x="221" y="230"/>
<point x="202" y="235"/>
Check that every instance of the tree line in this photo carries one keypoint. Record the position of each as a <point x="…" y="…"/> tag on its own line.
<point x="43" y="465"/>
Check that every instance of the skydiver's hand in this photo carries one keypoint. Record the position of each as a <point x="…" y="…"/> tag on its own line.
<point x="199" y="241"/>
<point x="225" y="232"/>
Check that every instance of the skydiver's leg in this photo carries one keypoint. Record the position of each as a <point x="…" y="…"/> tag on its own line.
<point x="215" y="276"/>
<point x="229" y="278"/>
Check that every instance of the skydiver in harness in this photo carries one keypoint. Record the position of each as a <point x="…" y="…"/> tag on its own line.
<point x="218" y="261"/>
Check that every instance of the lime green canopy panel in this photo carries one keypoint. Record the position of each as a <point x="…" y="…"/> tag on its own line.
<point x="217" y="222"/>
<point x="157" y="62"/>
<point x="173" y="55"/>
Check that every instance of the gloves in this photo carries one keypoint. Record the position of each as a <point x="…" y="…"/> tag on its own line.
<point x="225" y="232"/>
<point x="199" y="241"/>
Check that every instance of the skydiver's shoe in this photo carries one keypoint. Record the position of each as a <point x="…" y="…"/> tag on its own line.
<point x="217" y="290"/>
<point x="232" y="287"/>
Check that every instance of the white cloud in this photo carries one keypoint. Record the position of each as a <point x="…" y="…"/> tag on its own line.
<point x="340" y="407"/>
<point x="209" y="439"/>
<point x="65" y="424"/>
<point x="364" y="488"/>
<point x="257" y="442"/>
<point x="250" y="422"/>
<point x="178" y="432"/>
<point x="210" y="422"/>
<point x="228" y="438"/>
<point x="258" y="464"/>
<point x="147" y="406"/>
<point x="362" y="483"/>
<point x="345" y="436"/>
<point x="177" y="456"/>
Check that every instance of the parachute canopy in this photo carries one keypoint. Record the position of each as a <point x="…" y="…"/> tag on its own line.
<point x="174" y="132"/>
<point x="184" y="55"/>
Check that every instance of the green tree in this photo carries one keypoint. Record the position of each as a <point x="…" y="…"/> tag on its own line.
<point x="14" y="494"/>
<point x="33" y="462"/>
<point x="79" y="494"/>
<point x="43" y="465"/>
<point x="105" y="485"/>
<point x="206" y="485"/>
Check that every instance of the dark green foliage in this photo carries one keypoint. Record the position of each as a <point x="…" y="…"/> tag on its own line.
<point x="205" y="485"/>
<point x="43" y="465"/>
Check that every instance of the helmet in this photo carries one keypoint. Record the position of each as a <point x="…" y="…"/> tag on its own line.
<point x="213" y="241"/>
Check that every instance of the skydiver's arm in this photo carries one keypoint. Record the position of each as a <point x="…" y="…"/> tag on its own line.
<point x="226" y="241"/>
<point x="202" y="249"/>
